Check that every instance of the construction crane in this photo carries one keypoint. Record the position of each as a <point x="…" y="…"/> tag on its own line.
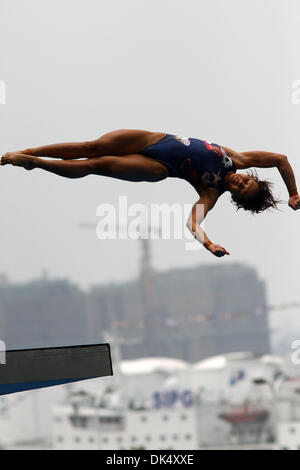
<point x="146" y="283"/>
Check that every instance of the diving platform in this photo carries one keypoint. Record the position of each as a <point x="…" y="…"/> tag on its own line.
<point x="30" y="369"/>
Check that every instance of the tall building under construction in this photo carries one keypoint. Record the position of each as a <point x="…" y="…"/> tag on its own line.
<point x="186" y="313"/>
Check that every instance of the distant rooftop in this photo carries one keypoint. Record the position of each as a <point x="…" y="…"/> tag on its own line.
<point x="219" y="362"/>
<point x="152" y="364"/>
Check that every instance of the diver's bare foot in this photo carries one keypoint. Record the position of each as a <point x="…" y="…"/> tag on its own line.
<point x="19" y="159"/>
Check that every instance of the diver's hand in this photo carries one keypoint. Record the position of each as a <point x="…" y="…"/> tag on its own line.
<point x="217" y="250"/>
<point x="294" y="202"/>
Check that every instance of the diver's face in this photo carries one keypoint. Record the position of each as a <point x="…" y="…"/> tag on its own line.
<point x="243" y="185"/>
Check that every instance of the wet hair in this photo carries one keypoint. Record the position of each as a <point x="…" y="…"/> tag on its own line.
<point x="262" y="200"/>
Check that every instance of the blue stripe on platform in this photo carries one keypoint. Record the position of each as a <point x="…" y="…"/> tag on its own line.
<point x="6" y="389"/>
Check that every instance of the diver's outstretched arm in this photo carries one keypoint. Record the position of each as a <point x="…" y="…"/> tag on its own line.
<point x="280" y="161"/>
<point x="262" y="159"/>
<point x="288" y="177"/>
<point x="198" y="214"/>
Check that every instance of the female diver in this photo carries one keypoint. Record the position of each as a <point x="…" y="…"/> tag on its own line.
<point x="137" y="155"/>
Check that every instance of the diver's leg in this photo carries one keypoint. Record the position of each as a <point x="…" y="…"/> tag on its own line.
<point x="65" y="151"/>
<point x="68" y="169"/>
<point x="119" y="142"/>
<point x="133" y="167"/>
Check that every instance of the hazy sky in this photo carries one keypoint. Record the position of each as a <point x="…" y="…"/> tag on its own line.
<point x="75" y="69"/>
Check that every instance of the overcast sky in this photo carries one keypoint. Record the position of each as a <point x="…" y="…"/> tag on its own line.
<point x="75" y="69"/>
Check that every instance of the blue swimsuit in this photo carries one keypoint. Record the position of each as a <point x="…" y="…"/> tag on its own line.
<point x="196" y="161"/>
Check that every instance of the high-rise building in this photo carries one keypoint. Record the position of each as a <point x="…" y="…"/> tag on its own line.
<point x="193" y="313"/>
<point x="189" y="314"/>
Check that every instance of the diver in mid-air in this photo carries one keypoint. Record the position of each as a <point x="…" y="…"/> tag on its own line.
<point x="137" y="155"/>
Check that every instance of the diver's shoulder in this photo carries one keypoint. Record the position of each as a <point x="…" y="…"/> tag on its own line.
<point x="236" y="157"/>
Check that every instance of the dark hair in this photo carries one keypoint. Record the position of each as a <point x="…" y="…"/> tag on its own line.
<point x="262" y="200"/>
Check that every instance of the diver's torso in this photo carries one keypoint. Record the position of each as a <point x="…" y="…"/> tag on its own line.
<point x="197" y="161"/>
